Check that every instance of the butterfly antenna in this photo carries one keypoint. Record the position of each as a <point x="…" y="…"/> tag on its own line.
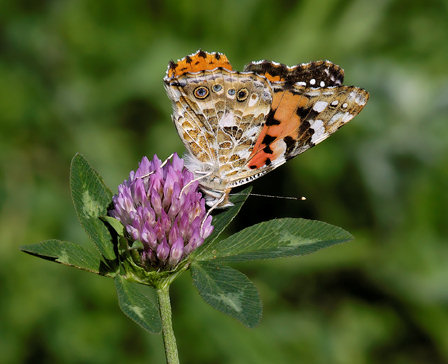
<point x="302" y="198"/>
<point x="192" y="181"/>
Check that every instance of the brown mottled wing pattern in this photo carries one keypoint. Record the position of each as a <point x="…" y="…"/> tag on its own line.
<point x="219" y="115"/>
<point x="192" y="126"/>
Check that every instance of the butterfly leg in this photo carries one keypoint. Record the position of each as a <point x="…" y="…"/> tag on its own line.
<point x="166" y="160"/>
<point x="161" y="166"/>
<point x="217" y="203"/>
<point x="223" y="199"/>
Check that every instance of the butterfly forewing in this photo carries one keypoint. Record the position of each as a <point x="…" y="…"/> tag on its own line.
<point x="301" y="118"/>
<point x="313" y="74"/>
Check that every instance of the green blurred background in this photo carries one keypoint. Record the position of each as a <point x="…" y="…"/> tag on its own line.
<point x="86" y="76"/>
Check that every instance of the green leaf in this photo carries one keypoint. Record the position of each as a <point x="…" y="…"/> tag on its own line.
<point x="220" y="222"/>
<point x="114" y="223"/>
<point x="70" y="254"/>
<point x="276" y="238"/>
<point x="91" y="199"/>
<point x="137" y="306"/>
<point x="228" y="290"/>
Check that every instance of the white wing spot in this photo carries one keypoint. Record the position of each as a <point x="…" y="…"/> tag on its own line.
<point x="334" y="103"/>
<point x="319" y="131"/>
<point x="344" y="105"/>
<point x="322" y="83"/>
<point x="312" y="81"/>
<point x="315" y="93"/>
<point x="252" y="132"/>
<point x="347" y="117"/>
<point x="336" y="117"/>
<point x="343" y="117"/>
<point x="320" y="106"/>
<point x="253" y="100"/>
<point x="359" y="99"/>
<point x="243" y="154"/>
<point x="227" y="120"/>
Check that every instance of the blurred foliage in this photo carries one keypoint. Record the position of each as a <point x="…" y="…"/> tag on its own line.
<point x="86" y="76"/>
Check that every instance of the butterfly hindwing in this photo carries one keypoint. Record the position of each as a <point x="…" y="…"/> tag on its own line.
<point x="219" y="115"/>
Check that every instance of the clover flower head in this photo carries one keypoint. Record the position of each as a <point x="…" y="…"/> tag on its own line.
<point x="160" y="206"/>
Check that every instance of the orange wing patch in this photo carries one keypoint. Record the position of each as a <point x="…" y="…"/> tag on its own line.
<point x="200" y="61"/>
<point x="273" y="78"/>
<point x="274" y="73"/>
<point x="281" y="122"/>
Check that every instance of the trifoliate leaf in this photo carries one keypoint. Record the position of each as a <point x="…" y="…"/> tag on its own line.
<point x="229" y="291"/>
<point x="91" y="199"/>
<point x="137" y="306"/>
<point x="276" y="238"/>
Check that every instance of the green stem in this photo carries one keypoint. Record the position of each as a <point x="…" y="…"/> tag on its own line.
<point x="169" y="339"/>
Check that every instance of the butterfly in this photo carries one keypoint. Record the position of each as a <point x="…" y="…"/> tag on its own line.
<point x="238" y="126"/>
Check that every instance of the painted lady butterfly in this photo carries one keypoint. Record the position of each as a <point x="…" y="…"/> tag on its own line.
<point x="238" y="126"/>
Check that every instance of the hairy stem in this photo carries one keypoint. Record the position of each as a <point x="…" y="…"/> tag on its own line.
<point x="169" y="340"/>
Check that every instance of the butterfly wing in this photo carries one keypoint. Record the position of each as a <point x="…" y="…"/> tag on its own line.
<point x="239" y="126"/>
<point x="312" y="74"/>
<point x="219" y="115"/>
<point x="301" y="115"/>
<point x="301" y="118"/>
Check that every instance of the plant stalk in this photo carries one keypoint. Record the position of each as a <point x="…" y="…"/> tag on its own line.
<point x="169" y="340"/>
